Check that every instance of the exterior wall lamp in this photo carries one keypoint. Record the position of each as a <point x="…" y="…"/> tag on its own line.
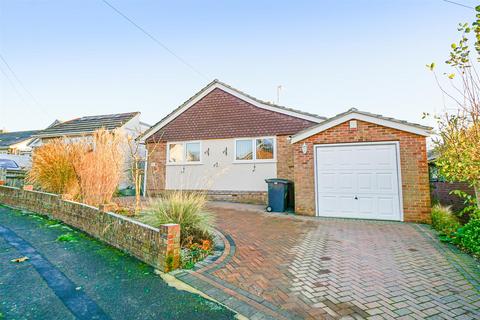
<point x="304" y="148"/>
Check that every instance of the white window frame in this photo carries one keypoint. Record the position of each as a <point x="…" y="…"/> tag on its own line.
<point x="254" y="150"/>
<point x="184" y="161"/>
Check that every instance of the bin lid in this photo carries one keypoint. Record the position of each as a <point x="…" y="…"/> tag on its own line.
<point x="278" y="180"/>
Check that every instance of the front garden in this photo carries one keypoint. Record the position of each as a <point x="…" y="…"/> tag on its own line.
<point x="89" y="171"/>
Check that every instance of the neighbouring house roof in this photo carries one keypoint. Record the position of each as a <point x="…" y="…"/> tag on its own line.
<point x="298" y="119"/>
<point x="356" y="114"/>
<point x="86" y="125"/>
<point x="10" y="138"/>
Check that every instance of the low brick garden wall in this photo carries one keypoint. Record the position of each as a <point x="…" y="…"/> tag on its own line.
<point x="159" y="248"/>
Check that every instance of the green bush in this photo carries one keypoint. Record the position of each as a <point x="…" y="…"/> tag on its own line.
<point x="470" y="210"/>
<point x="184" y="208"/>
<point x="444" y="221"/>
<point x="468" y="237"/>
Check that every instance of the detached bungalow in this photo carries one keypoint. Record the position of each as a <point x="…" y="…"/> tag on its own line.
<point x="353" y="165"/>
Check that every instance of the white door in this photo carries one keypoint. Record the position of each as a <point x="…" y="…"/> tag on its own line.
<point x="358" y="181"/>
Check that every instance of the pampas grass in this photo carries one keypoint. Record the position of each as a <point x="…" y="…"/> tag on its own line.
<point x="99" y="167"/>
<point x="53" y="169"/>
<point x="86" y="169"/>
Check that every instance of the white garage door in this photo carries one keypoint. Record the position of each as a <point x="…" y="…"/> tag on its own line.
<point x="358" y="181"/>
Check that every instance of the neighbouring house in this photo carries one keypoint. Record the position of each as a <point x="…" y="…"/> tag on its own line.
<point x="84" y="127"/>
<point x="16" y="143"/>
<point x="353" y="165"/>
<point x="441" y="190"/>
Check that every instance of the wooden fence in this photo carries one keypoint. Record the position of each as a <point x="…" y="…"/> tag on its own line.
<point x="13" y="178"/>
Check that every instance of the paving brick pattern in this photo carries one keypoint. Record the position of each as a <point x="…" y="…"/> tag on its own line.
<point x="343" y="269"/>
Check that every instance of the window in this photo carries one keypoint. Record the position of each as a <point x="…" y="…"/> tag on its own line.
<point x="244" y="150"/>
<point x="193" y="151"/>
<point x="175" y="152"/>
<point x="184" y="152"/>
<point x="264" y="149"/>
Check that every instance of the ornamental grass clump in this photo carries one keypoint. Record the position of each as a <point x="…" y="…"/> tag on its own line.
<point x="444" y="221"/>
<point x="53" y="169"/>
<point x="99" y="166"/>
<point x="186" y="209"/>
<point x="86" y="169"/>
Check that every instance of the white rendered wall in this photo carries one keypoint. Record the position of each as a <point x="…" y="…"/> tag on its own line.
<point x="218" y="171"/>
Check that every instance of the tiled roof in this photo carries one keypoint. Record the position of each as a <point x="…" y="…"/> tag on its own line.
<point x="87" y="124"/>
<point x="269" y="103"/>
<point x="218" y="82"/>
<point x="9" y="138"/>
<point x="220" y="115"/>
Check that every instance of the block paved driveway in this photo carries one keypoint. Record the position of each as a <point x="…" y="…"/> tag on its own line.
<point x="332" y="268"/>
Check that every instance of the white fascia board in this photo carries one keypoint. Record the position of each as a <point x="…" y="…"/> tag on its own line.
<point x="358" y="116"/>
<point x="234" y="93"/>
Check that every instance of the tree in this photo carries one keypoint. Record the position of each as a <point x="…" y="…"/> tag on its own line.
<point x="458" y="140"/>
<point x="136" y="169"/>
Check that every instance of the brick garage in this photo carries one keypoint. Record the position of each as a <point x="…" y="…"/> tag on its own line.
<point x="413" y="164"/>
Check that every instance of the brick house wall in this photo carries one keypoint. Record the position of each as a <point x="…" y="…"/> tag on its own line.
<point x="413" y="162"/>
<point x="285" y="164"/>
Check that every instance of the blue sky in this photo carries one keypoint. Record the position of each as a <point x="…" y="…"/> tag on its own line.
<point x="81" y="58"/>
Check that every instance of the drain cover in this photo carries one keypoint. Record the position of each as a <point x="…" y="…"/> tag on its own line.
<point x="323" y="271"/>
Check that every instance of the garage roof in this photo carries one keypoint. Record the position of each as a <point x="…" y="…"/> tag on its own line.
<point x="363" y="116"/>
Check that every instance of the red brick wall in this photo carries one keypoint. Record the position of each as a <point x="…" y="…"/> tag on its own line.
<point x="413" y="162"/>
<point x="221" y="115"/>
<point x="284" y="158"/>
<point x="156" y="171"/>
